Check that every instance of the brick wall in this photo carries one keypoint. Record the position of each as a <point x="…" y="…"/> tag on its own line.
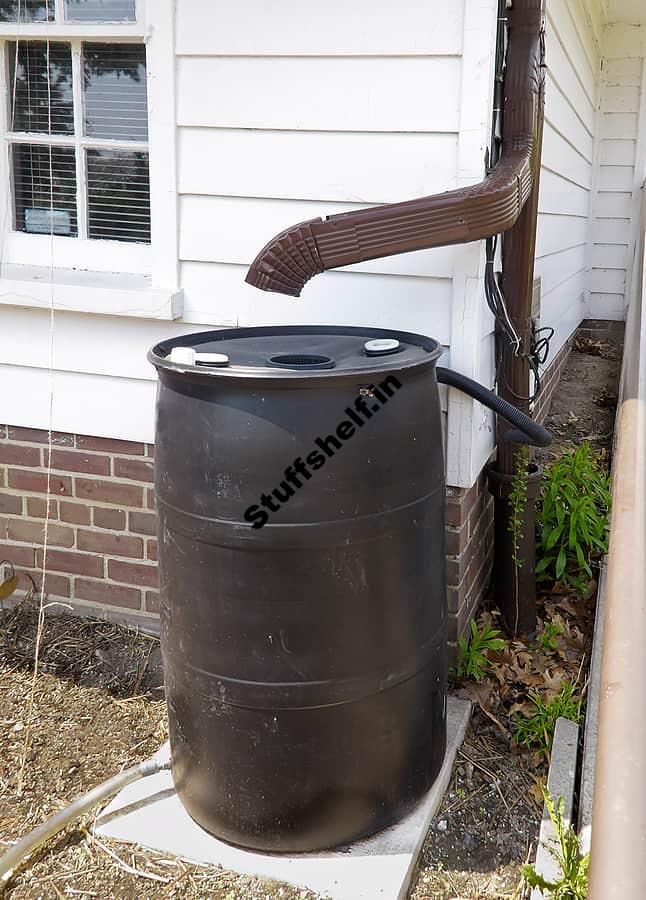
<point x="469" y="552"/>
<point x="102" y="548"/>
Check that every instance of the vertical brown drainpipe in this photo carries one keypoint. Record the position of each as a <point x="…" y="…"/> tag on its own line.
<point x="514" y="584"/>
<point x="505" y="201"/>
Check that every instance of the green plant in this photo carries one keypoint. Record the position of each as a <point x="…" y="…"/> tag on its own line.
<point x="536" y="731"/>
<point x="572" y="520"/>
<point x="473" y="661"/>
<point x="573" y="884"/>
<point x="549" y="635"/>
<point x="517" y="501"/>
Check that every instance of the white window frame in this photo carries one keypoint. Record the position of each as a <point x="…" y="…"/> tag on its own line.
<point x="32" y="255"/>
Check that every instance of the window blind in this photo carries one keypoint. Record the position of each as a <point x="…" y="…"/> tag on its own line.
<point x="118" y="195"/>
<point x="94" y="182"/>
<point x="37" y="85"/>
<point x="26" y="11"/>
<point x="100" y="10"/>
<point x="45" y="189"/>
<point x="114" y="81"/>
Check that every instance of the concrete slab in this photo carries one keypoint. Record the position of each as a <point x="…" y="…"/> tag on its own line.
<point x="560" y="783"/>
<point x="382" y="866"/>
<point x="586" y="794"/>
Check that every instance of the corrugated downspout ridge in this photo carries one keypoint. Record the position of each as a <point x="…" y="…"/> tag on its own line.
<point x="490" y="207"/>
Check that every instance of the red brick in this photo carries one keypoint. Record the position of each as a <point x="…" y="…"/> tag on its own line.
<point x="456" y="540"/>
<point x="112" y="544"/>
<point x="55" y="585"/>
<point x="3" y="476"/>
<point x="37" y="507"/>
<point x="34" y="533"/>
<point x="152" y="601"/>
<point x="150" y="498"/>
<point x="37" y="436"/>
<point x="106" y="517"/>
<point x="11" y="504"/>
<point x="109" y="445"/>
<point x="18" y="455"/>
<point x="150" y="450"/>
<point x="142" y="523"/>
<point x="133" y="573"/>
<point x="76" y="513"/>
<point x="109" y="492"/>
<point x="108" y="594"/>
<point x="72" y="563"/>
<point x="23" y="480"/>
<point x="134" y="469"/>
<point x="19" y="556"/>
<point x="72" y="461"/>
<point x="151" y="550"/>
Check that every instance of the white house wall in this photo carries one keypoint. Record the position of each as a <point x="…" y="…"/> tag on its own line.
<point x="620" y="170"/>
<point x="572" y="85"/>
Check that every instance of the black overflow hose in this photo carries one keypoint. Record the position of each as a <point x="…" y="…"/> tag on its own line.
<point x="525" y="430"/>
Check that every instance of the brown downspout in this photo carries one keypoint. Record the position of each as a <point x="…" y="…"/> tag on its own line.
<point x="497" y="204"/>
<point x="515" y="586"/>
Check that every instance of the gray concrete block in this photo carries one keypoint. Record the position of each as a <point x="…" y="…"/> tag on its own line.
<point x="378" y="868"/>
<point x="592" y="719"/>
<point x="560" y="783"/>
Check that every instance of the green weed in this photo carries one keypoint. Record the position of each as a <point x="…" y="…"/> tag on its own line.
<point x="573" y="884"/>
<point x="517" y="501"/>
<point x="572" y="520"/>
<point x="473" y="661"/>
<point x="548" y="638"/>
<point x="536" y="731"/>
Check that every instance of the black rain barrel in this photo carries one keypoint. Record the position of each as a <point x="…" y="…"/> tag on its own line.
<point x="300" y="495"/>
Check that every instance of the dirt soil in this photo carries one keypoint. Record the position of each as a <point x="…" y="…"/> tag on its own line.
<point x="98" y="708"/>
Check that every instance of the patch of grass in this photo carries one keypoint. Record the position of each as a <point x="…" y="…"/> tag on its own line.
<point x="473" y="661"/>
<point x="572" y="519"/>
<point x="536" y="731"/>
<point x="573" y="884"/>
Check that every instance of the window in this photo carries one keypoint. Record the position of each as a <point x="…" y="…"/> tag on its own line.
<point x="73" y="10"/>
<point x="78" y="131"/>
<point x="88" y="169"/>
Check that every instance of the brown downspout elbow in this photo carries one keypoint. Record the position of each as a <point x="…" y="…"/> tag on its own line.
<point x="473" y="213"/>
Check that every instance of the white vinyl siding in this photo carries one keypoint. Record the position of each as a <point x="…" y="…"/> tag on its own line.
<point x="567" y="178"/>
<point x="620" y="173"/>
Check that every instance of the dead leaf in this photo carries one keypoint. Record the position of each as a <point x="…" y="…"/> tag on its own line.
<point x="8" y="587"/>
<point x="478" y="693"/>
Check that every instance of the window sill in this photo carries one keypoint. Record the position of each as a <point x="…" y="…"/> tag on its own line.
<point x="101" y="293"/>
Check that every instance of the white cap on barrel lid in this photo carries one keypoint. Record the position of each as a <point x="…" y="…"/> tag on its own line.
<point x="381" y="345"/>
<point x="183" y="355"/>
<point x="188" y="356"/>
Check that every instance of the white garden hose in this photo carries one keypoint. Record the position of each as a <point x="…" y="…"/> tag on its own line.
<point x="26" y="845"/>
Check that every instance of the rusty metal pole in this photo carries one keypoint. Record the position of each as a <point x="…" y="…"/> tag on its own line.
<point x="515" y="586"/>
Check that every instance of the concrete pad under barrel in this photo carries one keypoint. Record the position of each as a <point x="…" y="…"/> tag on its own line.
<point x="149" y="813"/>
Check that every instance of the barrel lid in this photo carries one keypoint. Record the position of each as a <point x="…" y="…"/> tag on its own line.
<point x="294" y="351"/>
